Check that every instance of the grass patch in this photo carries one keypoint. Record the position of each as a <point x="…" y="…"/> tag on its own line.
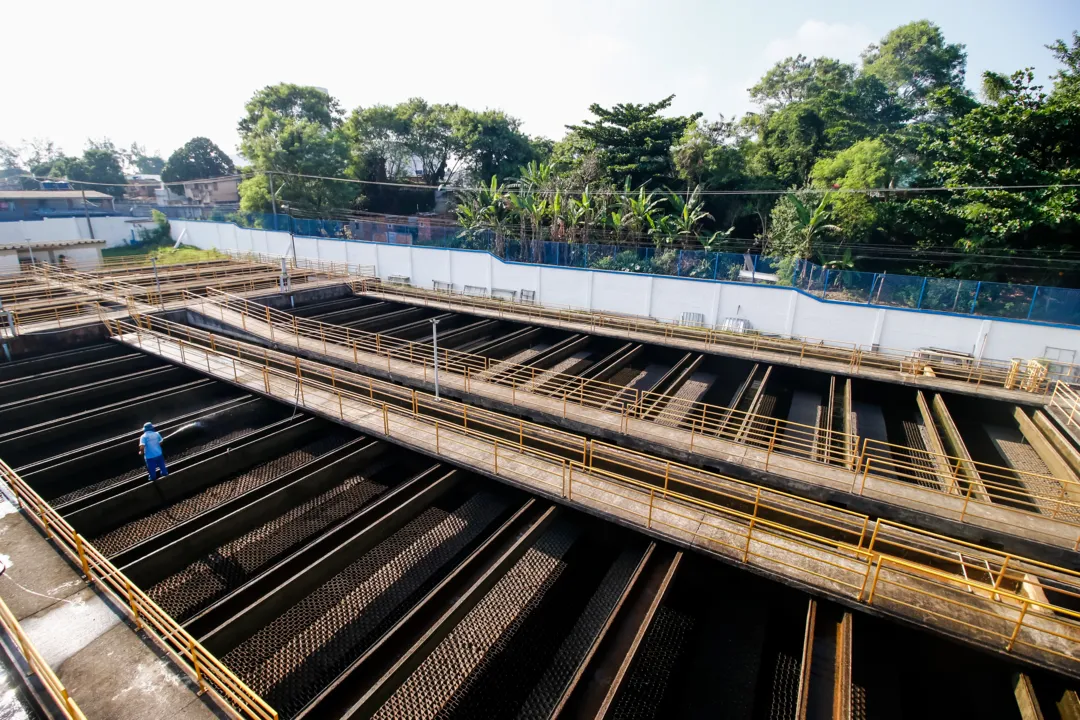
<point x="165" y="254"/>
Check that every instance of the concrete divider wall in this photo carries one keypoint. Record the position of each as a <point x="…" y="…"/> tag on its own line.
<point x="781" y="310"/>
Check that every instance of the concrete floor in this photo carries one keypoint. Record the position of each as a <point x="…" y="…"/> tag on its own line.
<point x="109" y="669"/>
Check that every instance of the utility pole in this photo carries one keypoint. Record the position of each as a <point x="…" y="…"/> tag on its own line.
<point x="435" y="352"/>
<point x="86" y="214"/>
<point x="273" y="202"/>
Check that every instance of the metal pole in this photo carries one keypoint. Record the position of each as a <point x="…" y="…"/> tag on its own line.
<point x="286" y="284"/>
<point x="273" y="202"/>
<point x="86" y="214"/>
<point x="157" y="282"/>
<point x="435" y="353"/>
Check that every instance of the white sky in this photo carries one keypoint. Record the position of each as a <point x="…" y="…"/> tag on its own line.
<point x="162" y="73"/>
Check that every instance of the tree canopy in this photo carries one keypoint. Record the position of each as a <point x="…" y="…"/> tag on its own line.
<point x="196" y="159"/>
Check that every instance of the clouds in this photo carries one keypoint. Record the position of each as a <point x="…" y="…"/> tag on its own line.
<point x="815" y="38"/>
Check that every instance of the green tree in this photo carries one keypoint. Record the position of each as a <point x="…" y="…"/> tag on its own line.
<point x="137" y="158"/>
<point x="915" y="62"/>
<point x="634" y="141"/>
<point x="1024" y="137"/>
<point x="797" y="79"/>
<point x="292" y="130"/>
<point x="491" y="143"/>
<point x="196" y="159"/>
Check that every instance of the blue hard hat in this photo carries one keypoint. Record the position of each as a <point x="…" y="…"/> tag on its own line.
<point x="148" y="426"/>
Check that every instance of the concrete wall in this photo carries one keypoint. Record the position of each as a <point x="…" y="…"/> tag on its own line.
<point x="780" y="310"/>
<point x="115" y="231"/>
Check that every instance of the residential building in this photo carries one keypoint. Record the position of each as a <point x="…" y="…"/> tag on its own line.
<point x="37" y="204"/>
<point x="213" y="192"/>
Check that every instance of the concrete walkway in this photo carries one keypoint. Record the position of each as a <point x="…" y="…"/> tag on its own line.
<point x="109" y="669"/>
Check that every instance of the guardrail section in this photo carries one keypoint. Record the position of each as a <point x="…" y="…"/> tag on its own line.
<point x="995" y="600"/>
<point x="211" y="675"/>
<point x="1040" y="507"/>
<point x="38" y="666"/>
<point x="1031" y="376"/>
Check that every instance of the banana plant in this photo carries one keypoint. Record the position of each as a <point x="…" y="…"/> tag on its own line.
<point x="710" y="242"/>
<point x="689" y="212"/>
<point x="813" y="222"/>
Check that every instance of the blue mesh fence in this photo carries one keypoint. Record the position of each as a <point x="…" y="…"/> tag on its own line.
<point x="897" y="290"/>
<point x="968" y="297"/>
<point x="1004" y="300"/>
<point x="847" y="285"/>
<point x="1056" y="305"/>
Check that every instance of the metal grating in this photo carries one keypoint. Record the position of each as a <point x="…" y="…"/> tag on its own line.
<point x="642" y="692"/>
<point x="446" y="674"/>
<point x="148" y="526"/>
<point x="141" y="471"/>
<point x="226" y="568"/>
<point x="784" y="697"/>
<point x="294" y="657"/>
<point x="547" y="692"/>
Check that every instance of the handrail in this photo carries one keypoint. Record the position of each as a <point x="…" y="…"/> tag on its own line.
<point x="211" y="675"/>
<point x="1067" y="401"/>
<point x="38" y="665"/>
<point x="835" y="550"/>
<point x="1043" y="497"/>
<point x="996" y="373"/>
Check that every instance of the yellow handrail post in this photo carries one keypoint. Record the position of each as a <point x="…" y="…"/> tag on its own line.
<point x="496" y="456"/>
<point x="131" y="602"/>
<point x="195" y="664"/>
<point x="750" y="527"/>
<point x="437" y="451"/>
<point x="386" y="420"/>
<point x="652" y="498"/>
<point x="82" y="556"/>
<point x="45" y="521"/>
<point x="873" y="585"/>
<point x="1019" y="624"/>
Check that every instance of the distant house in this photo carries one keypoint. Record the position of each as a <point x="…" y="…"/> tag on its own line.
<point x="37" y="204"/>
<point x="149" y="189"/>
<point x="213" y="192"/>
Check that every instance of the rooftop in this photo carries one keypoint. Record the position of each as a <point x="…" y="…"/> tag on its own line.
<point x="52" y="194"/>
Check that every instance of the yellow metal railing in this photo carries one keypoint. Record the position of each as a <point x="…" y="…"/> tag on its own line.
<point x="38" y="666"/>
<point x="849" y="356"/>
<point x="999" y="600"/>
<point x="896" y="469"/>
<point x="211" y="675"/>
<point x="1067" y="400"/>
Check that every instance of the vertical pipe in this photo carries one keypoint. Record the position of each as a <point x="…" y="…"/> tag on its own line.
<point x="870" y="299"/>
<point x="273" y="202"/>
<point x="1031" y="308"/>
<point x="975" y="300"/>
<point x="922" y="292"/>
<point x="435" y="353"/>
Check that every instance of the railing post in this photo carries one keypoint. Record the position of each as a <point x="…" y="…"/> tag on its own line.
<point x="496" y="456"/>
<point x="131" y="603"/>
<point x="1019" y="624"/>
<point x="195" y="664"/>
<point x="82" y="556"/>
<point x="386" y="420"/>
<point x="437" y="451"/>
<point x="750" y="527"/>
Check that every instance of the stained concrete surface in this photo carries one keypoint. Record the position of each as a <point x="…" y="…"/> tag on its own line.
<point x="110" y="670"/>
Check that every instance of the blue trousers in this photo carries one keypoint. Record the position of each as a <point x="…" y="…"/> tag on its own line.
<point x="155" y="465"/>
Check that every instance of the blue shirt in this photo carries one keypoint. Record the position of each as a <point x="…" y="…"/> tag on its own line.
<point x="151" y="441"/>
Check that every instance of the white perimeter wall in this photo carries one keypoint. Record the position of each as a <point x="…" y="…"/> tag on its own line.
<point x="770" y="309"/>
<point x="115" y="231"/>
